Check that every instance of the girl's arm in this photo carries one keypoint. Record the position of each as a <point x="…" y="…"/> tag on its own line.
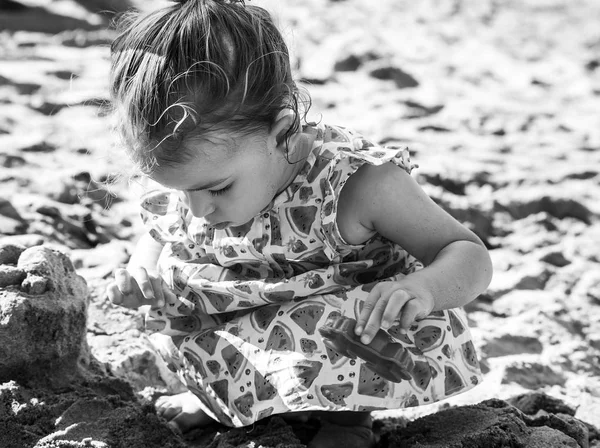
<point x="386" y="200"/>
<point x="146" y="253"/>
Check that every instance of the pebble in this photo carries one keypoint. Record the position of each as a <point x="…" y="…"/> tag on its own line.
<point x="34" y="285"/>
<point x="11" y="276"/>
<point x="9" y="253"/>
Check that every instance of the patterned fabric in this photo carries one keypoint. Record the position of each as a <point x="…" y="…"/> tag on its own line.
<point x="261" y="323"/>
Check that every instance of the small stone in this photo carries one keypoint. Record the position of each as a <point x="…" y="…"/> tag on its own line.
<point x="34" y="285"/>
<point x="11" y="276"/>
<point x="9" y="253"/>
<point x="511" y="344"/>
<point x="48" y="210"/>
<point x="39" y="147"/>
<point x="11" y="161"/>
<point x="532" y="375"/>
<point x="532" y="402"/>
<point x="555" y="258"/>
<point x="399" y="76"/>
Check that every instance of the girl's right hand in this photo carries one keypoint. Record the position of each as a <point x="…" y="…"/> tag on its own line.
<point x="136" y="287"/>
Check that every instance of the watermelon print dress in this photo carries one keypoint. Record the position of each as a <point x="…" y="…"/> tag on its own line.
<point x="264" y="313"/>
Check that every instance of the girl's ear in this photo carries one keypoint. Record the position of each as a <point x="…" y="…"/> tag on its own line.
<point x="283" y="122"/>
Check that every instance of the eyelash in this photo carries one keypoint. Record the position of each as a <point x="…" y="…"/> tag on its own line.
<point x="221" y="191"/>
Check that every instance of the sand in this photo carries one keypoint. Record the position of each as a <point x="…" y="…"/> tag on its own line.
<point x="499" y="104"/>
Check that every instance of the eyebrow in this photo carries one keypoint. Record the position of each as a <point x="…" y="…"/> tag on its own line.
<point x="208" y="185"/>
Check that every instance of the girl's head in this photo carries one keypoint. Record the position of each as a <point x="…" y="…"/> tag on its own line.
<point x="201" y="91"/>
<point x="194" y="70"/>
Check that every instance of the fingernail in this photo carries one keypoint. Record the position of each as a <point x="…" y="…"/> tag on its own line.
<point x="385" y="325"/>
<point x="365" y="340"/>
<point x="358" y="330"/>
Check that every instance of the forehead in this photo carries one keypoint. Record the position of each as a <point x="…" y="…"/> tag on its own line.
<point x="213" y="156"/>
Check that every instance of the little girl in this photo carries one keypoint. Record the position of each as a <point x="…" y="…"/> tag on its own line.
<point x="291" y="268"/>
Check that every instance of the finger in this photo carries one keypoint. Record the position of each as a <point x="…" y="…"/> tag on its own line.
<point x="409" y="314"/>
<point x="397" y="300"/>
<point x="374" y="323"/>
<point x="114" y="294"/>
<point x="144" y="283"/>
<point x="157" y="287"/>
<point x="123" y="281"/>
<point x="367" y="308"/>
<point x="128" y="299"/>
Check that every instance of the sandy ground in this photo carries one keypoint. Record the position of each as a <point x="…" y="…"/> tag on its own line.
<point x="499" y="103"/>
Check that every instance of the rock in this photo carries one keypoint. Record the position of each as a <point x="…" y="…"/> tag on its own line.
<point x="416" y="109"/>
<point x="44" y="331"/>
<point x="10" y="160"/>
<point x="11" y="276"/>
<point x="532" y="375"/>
<point x="511" y="344"/>
<point x="39" y="147"/>
<point x="555" y="258"/>
<point x="532" y="402"/>
<point x="490" y="423"/>
<point x="353" y="62"/>
<point x="529" y="276"/>
<point x="83" y="188"/>
<point x="34" y="285"/>
<point x="390" y="73"/>
<point x="558" y="207"/>
<point x="566" y="424"/>
<point x="11" y="222"/>
<point x="9" y="253"/>
<point x="70" y="225"/>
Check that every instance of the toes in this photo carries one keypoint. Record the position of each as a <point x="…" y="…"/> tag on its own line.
<point x="170" y="414"/>
<point x="166" y="408"/>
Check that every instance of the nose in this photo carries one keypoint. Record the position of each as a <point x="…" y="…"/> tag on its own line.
<point x="200" y="203"/>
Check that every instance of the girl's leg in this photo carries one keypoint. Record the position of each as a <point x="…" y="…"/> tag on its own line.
<point x="344" y="429"/>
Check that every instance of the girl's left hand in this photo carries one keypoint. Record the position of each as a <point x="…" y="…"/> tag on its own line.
<point x="388" y="302"/>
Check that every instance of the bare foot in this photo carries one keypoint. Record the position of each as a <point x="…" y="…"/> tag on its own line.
<point x="182" y="411"/>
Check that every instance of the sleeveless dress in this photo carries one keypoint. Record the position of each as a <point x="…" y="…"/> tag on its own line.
<point x="264" y="313"/>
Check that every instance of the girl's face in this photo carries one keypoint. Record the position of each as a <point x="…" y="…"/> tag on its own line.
<point x="230" y="187"/>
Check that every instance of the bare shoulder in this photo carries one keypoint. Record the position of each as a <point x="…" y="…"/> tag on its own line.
<point x="385" y="199"/>
<point x="355" y="200"/>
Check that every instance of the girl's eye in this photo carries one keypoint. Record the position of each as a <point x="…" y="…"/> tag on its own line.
<point x="221" y="191"/>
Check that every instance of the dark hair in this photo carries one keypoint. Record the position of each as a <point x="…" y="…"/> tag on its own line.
<point x="196" y="66"/>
